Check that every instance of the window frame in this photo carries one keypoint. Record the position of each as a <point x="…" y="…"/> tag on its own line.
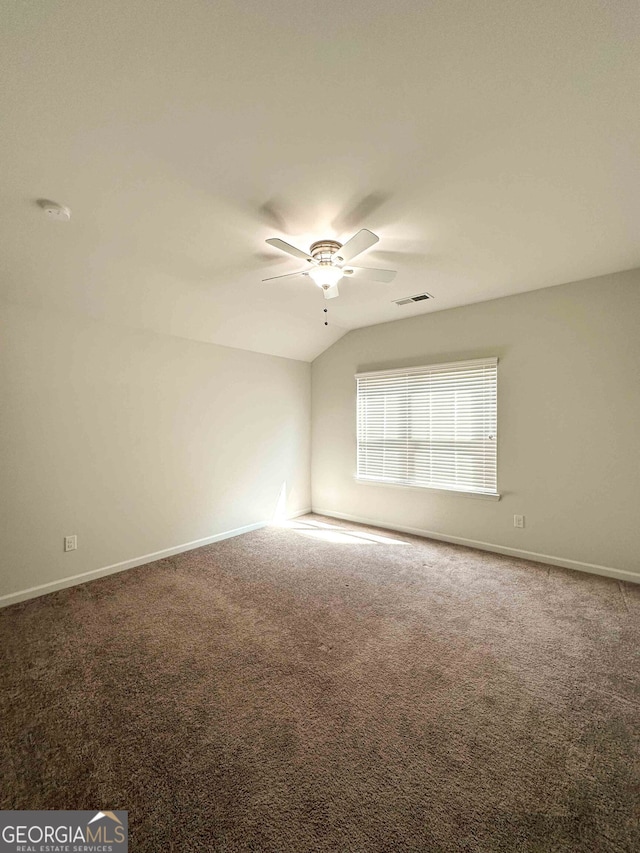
<point x="425" y="369"/>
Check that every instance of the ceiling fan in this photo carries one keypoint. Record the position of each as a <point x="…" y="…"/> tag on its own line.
<point x="329" y="261"/>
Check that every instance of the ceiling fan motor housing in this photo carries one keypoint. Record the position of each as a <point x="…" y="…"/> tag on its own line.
<point x="322" y="251"/>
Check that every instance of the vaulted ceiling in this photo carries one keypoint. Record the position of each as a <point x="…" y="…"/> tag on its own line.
<point x="493" y="146"/>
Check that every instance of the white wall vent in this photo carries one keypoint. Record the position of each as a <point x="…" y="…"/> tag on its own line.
<point x="419" y="297"/>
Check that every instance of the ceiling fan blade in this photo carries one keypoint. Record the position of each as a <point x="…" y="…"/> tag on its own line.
<point x="286" y="275"/>
<point x="331" y="292"/>
<point x="370" y="274"/>
<point x="364" y="239"/>
<point x="289" y="249"/>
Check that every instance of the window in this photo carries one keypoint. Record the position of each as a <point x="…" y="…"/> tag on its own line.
<point x="432" y="427"/>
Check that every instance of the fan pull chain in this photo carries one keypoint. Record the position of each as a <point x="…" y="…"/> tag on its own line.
<point x="326" y="311"/>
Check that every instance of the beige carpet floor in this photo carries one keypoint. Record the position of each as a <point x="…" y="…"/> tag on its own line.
<point x="329" y="687"/>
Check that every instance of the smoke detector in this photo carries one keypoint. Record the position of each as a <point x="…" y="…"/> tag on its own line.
<point x="54" y="211"/>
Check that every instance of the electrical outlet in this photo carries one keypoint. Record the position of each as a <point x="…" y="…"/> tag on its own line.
<point x="518" y="520"/>
<point x="70" y="543"/>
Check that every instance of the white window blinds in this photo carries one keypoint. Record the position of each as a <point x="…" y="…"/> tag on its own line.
<point x="430" y="426"/>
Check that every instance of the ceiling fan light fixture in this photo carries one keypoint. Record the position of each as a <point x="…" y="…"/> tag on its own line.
<point x="326" y="275"/>
<point x="328" y="257"/>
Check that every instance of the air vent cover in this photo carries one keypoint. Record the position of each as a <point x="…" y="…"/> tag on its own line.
<point x="419" y="297"/>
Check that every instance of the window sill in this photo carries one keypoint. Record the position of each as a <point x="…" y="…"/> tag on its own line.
<point x="478" y="495"/>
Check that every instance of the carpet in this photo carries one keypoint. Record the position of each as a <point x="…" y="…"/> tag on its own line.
<point x="324" y="686"/>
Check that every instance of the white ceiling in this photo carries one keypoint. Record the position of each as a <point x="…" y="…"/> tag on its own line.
<point x="493" y="145"/>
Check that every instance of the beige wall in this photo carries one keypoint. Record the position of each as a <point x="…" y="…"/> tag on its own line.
<point x="568" y="418"/>
<point x="137" y="442"/>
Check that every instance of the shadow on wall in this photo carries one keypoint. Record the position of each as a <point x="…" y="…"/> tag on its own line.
<point x="280" y="512"/>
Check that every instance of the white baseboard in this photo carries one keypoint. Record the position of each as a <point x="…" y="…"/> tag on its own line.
<point x="83" y="577"/>
<point x="592" y="568"/>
